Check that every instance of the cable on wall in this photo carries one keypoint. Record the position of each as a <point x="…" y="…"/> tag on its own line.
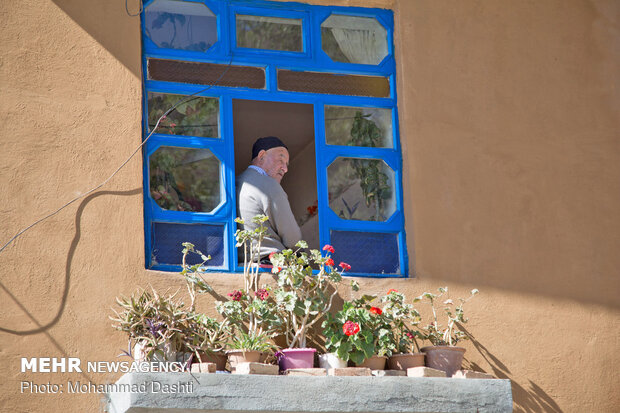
<point x="139" y="12"/>
<point x="185" y="99"/>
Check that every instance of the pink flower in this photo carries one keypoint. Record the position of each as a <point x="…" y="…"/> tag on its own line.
<point x="350" y="328"/>
<point x="236" y="295"/>
<point x="262" y="294"/>
<point x="344" y="266"/>
<point x="392" y="291"/>
<point x="328" y="248"/>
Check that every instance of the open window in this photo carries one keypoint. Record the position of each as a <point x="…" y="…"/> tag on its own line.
<point x="319" y="77"/>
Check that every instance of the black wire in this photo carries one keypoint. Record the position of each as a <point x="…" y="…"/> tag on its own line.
<point x="184" y="99"/>
<point x="134" y="15"/>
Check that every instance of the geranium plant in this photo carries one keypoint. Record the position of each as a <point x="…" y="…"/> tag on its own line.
<point x="303" y="298"/>
<point x="450" y="334"/>
<point x="404" y="319"/>
<point x="251" y="312"/>
<point x="358" y="331"/>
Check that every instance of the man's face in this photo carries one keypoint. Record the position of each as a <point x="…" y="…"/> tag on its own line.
<point x="274" y="161"/>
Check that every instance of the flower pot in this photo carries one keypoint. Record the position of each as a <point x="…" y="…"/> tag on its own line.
<point x="444" y="358"/>
<point x="374" y="363"/>
<point x="242" y="356"/>
<point x="403" y="361"/>
<point x="217" y="357"/>
<point x="331" y="361"/>
<point x="296" y="358"/>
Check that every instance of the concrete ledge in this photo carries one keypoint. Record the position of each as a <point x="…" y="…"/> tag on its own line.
<point x="203" y="392"/>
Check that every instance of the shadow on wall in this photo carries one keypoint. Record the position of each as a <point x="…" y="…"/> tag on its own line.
<point x="527" y="398"/>
<point x="65" y="291"/>
<point x="110" y="24"/>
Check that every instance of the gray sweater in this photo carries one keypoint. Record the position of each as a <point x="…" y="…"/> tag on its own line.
<point x="261" y="194"/>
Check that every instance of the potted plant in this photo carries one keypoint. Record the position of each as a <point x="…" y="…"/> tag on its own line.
<point x="208" y="339"/>
<point x="360" y="333"/>
<point x="156" y="323"/>
<point x="248" y="347"/>
<point x="403" y="319"/>
<point x="251" y="312"/>
<point x="303" y="298"/>
<point x="444" y="354"/>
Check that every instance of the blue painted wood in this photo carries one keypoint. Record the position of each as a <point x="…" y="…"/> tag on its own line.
<point x="312" y="58"/>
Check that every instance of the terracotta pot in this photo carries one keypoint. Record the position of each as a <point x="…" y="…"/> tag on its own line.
<point x="331" y="361"/>
<point x="296" y="358"/>
<point x="242" y="356"/>
<point x="374" y="363"/>
<point x="444" y="358"/>
<point x="217" y="357"/>
<point x="403" y="361"/>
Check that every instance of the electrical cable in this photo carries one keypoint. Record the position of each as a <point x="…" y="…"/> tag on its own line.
<point x="139" y="12"/>
<point x="184" y="99"/>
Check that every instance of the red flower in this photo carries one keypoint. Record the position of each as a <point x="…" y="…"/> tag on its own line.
<point x="261" y="294"/>
<point x="392" y="291"/>
<point x="408" y="334"/>
<point x="376" y="310"/>
<point x="236" y="295"/>
<point x="312" y="210"/>
<point x="350" y="328"/>
<point x="271" y="255"/>
<point x="329" y="262"/>
<point x="344" y="266"/>
<point x="328" y="248"/>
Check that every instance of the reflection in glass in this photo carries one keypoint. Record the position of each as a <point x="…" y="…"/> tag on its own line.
<point x="180" y="25"/>
<point x="370" y="127"/>
<point x="272" y="33"/>
<point x="185" y="179"/>
<point x="361" y="189"/>
<point x="196" y="117"/>
<point x="351" y="39"/>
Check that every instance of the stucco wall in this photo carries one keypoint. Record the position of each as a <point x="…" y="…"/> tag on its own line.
<point x="509" y="123"/>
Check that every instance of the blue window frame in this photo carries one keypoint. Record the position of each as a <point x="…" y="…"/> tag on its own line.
<point x="377" y="245"/>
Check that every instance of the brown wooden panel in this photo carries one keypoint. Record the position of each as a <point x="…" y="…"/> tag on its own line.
<point x="206" y="73"/>
<point x="329" y="83"/>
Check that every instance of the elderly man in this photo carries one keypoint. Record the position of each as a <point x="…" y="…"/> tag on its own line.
<point x="259" y="192"/>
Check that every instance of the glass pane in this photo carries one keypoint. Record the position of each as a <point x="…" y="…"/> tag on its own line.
<point x="166" y="242"/>
<point x="361" y="189"/>
<point x="371" y="127"/>
<point x="185" y="179"/>
<point x="352" y="39"/>
<point x="367" y="252"/>
<point x="196" y="117"/>
<point x="180" y="25"/>
<point x="272" y="33"/>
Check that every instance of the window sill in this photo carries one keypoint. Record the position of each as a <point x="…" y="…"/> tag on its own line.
<point x="241" y="393"/>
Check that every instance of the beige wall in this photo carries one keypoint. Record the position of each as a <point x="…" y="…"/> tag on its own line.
<point x="509" y="124"/>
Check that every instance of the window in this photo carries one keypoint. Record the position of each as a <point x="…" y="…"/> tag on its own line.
<point x="321" y="77"/>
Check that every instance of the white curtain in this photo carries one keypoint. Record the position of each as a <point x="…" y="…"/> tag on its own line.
<point x="359" y="46"/>
<point x="362" y="40"/>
